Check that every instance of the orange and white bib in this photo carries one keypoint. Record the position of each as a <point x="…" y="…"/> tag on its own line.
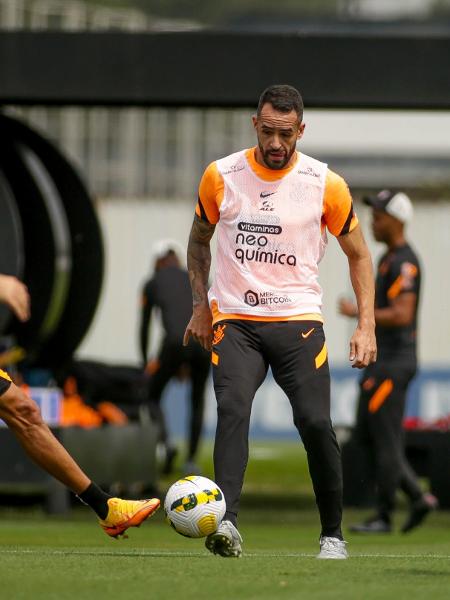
<point x="270" y="239"/>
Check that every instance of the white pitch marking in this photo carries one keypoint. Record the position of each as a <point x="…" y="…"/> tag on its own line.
<point x="170" y="554"/>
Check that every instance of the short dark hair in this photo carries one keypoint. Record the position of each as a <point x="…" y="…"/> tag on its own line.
<point x="283" y="98"/>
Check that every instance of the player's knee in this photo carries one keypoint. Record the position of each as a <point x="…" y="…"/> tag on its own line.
<point x="388" y="460"/>
<point x="232" y="412"/>
<point x="23" y="410"/>
<point x="315" y="428"/>
<point x="233" y="407"/>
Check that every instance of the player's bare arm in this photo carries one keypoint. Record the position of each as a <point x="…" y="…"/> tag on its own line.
<point x="400" y="313"/>
<point x="347" y="308"/>
<point x="363" y="347"/>
<point x="15" y="294"/>
<point x="199" y="263"/>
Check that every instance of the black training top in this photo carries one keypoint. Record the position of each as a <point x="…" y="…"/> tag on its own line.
<point x="170" y="291"/>
<point x="398" y="273"/>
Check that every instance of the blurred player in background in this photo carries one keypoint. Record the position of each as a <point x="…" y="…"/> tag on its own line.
<point x="384" y="385"/>
<point x="272" y="205"/>
<point x="169" y="290"/>
<point x="23" y="417"/>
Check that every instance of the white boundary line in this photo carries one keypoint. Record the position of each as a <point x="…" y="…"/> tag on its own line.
<point x="170" y="554"/>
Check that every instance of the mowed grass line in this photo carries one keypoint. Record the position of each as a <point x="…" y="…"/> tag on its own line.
<point x="64" y="559"/>
<point x="209" y="577"/>
<point x="71" y="558"/>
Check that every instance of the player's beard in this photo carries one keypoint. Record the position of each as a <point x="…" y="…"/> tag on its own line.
<point x="279" y="164"/>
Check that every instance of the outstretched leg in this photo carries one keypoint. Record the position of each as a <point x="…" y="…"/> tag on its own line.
<point x="23" y="417"/>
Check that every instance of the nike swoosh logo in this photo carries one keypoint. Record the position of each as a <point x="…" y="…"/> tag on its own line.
<point x="307" y="334"/>
<point x="266" y="194"/>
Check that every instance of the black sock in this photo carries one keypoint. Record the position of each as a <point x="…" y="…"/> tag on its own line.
<point x="96" y="498"/>
<point x="229" y="516"/>
<point x="385" y="516"/>
<point x="333" y="534"/>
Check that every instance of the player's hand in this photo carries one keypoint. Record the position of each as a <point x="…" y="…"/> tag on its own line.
<point x="152" y="366"/>
<point x="363" y="347"/>
<point x="200" y="328"/>
<point x="15" y="294"/>
<point x="347" y="307"/>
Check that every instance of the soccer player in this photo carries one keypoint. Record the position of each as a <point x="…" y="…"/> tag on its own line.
<point x="272" y="206"/>
<point x="384" y="386"/>
<point x="23" y="417"/>
<point x="170" y="291"/>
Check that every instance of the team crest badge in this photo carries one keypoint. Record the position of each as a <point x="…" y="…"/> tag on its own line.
<point x="219" y="333"/>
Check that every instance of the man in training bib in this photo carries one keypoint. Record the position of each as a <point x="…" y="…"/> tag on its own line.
<point x="272" y="206"/>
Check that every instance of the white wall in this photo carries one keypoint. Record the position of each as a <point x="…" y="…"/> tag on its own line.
<point x="375" y="133"/>
<point x="131" y="227"/>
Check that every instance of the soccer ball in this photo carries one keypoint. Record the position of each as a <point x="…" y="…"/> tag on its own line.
<point x="194" y="506"/>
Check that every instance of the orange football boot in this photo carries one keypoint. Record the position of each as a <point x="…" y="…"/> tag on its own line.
<point x="123" y="514"/>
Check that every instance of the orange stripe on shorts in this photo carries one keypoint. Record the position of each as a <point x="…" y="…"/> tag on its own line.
<point x="380" y="395"/>
<point x="321" y="357"/>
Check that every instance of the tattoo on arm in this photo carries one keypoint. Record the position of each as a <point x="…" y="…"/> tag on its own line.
<point x="199" y="259"/>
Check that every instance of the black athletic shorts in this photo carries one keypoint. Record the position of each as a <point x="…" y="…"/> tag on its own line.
<point x="295" y="350"/>
<point x="5" y="382"/>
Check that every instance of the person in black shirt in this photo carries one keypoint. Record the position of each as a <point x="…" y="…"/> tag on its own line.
<point x="169" y="290"/>
<point x="384" y="384"/>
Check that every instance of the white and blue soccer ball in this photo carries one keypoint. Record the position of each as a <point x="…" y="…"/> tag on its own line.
<point x="194" y="506"/>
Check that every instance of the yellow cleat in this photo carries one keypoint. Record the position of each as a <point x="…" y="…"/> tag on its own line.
<point x="127" y="513"/>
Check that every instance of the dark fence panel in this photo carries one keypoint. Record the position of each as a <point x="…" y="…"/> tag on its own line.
<point x="224" y="69"/>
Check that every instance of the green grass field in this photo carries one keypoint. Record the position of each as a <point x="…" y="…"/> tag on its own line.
<point x="58" y="558"/>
